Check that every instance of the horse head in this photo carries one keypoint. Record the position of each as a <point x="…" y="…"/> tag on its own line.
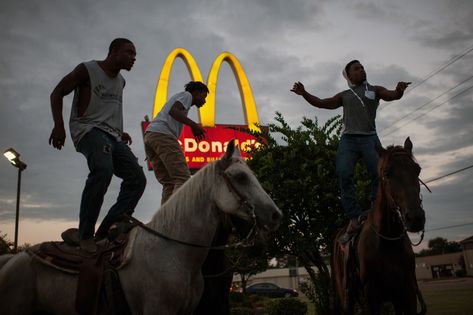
<point x="239" y="193"/>
<point x="399" y="172"/>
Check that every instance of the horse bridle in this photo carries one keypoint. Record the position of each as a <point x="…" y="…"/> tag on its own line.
<point x="397" y="209"/>
<point x="243" y="201"/>
<point x="248" y="241"/>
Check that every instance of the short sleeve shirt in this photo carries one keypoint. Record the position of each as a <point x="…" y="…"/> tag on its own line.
<point x="165" y="123"/>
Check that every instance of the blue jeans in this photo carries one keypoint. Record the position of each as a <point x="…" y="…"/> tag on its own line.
<point x="107" y="157"/>
<point x="350" y="149"/>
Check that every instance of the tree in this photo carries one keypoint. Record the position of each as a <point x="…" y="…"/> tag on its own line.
<point x="6" y="247"/>
<point x="298" y="171"/>
<point x="440" y="246"/>
<point x="247" y="262"/>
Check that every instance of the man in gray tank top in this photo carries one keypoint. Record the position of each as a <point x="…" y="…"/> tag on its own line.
<point x="359" y="138"/>
<point x="96" y="126"/>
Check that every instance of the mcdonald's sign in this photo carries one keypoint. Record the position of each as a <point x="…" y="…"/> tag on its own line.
<point x="200" y="153"/>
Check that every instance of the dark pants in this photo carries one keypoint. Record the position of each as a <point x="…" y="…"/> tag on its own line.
<point x="350" y="149"/>
<point x="107" y="157"/>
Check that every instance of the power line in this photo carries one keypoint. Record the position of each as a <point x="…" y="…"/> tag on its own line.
<point x="449" y="174"/>
<point x="434" y="72"/>
<point x="429" y="102"/>
<point x="418" y="116"/>
<point x="449" y="227"/>
<point x="430" y="75"/>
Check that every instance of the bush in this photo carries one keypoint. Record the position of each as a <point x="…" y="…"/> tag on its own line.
<point x="239" y="299"/>
<point x="241" y="311"/>
<point x="288" y="306"/>
<point x="258" y="299"/>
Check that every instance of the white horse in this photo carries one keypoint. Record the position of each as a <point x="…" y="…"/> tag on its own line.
<point x="162" y="276"/>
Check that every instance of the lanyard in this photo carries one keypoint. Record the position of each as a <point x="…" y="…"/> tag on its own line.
<point x="361" y="101"/>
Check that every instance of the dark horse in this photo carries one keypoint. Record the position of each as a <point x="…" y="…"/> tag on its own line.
<point x="218" y="270"/>
<point x="218" y="277"/>
<point x="380" y="263"/>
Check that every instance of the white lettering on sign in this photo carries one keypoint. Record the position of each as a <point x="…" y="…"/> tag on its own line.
<point x="191" y="145"/>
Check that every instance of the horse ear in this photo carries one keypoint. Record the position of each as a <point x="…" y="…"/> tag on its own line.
<point x="230" y="150"/>
<point x="236" y="151"/>
<point x="379" y="148"/>
<point x="227" y="157"/>
<point x="408" y="145"/>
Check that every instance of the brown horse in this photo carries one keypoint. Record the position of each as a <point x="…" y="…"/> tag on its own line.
<point x="380" y="263"/>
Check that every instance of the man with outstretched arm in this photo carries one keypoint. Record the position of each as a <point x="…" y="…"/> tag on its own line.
<point x="96" y="126"/>
<point x="359" y="137"/>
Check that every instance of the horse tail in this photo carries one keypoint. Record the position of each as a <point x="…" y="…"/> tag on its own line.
<point x="4" y="259"/>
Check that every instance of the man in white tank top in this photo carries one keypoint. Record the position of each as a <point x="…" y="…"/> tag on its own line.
<point x="161" y="138"/>
<point x="359" y="138"/>
<point x="96" y="126"/>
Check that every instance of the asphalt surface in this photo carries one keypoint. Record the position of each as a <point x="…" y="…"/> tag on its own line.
<point x="447" y="284"/>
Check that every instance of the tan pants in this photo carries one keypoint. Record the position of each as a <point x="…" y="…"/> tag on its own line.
<point x="169" y="163"/>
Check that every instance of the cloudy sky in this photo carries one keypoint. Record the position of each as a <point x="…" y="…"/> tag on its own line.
<point x="278" y="42"/>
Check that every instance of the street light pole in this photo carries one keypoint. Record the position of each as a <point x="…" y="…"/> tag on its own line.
<point x="14" y="158"/>
<point x="15" y="246"/>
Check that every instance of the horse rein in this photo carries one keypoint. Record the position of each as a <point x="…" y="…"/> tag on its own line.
<point x="246" y="242"/>
<point x="397" y="208"/>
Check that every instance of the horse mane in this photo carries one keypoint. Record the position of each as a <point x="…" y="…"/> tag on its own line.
<point x="181" y="205"/>
<point x="186" y="197"/>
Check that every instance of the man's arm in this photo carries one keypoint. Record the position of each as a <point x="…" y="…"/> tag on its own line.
<point x="178" y="112"/>
<point x="392" y="95"/>
<point x="78" y="76"/>
<point x="328" y="103"/>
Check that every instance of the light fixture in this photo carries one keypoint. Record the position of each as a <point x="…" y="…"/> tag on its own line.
<point x="14" y="158"/>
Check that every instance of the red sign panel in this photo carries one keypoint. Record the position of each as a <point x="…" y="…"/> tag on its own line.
<point x="198" y="154"/>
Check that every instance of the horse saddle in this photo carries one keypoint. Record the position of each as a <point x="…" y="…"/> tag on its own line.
<point x="70" y="258"/>
<point x="90" y="267"/>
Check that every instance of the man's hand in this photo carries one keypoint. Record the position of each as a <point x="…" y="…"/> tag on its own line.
<point x="198" y="131"/>
<point x="126" y="138"/>
<point x="298" y="88"/>
<point x="58" y="137"/>
<point x="402" y="86"/>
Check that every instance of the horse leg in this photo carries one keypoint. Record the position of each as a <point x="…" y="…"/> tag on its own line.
<point x="373" y="300"/>
<point x="17" y="286"/>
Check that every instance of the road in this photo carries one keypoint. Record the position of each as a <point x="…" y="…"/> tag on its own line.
<point x="447" y="284"/>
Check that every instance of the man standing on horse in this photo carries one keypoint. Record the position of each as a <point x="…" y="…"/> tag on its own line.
<point x="96" y="126"/>
<point x="359" y="138"/>
<point x="161" y="144"/>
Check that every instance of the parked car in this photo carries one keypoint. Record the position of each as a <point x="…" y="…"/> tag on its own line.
<point x="271" y="290"/>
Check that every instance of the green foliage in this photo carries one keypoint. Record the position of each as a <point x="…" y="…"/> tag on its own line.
<point x="287" y="306"/>
<point x="260" y="302"/>
<point x="241" y="311"/>
<point x="239" y="299"/>
<point x="297" y="168"/>
<point x="6" y="247"/>
<point x="247" y="262"/>
<point x="243" y="304"/>
<point x="318" y="292"/>
<point x="299" y="174"/>
<point x="440" y="246"/>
